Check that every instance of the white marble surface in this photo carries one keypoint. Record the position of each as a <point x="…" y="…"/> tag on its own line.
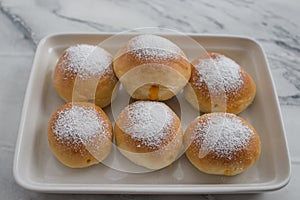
<point x="274" y="23"/>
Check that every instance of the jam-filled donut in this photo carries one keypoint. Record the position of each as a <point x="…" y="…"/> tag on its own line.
<point x="221" y="144"/>
<point x="149" y="134"/>
<point x="80" y="134"/>
<point x="85" y="73"/>
<point x="219" y="84"/>
<point x="152" y="68"/>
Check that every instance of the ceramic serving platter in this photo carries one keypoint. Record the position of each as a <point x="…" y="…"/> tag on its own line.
<point x="35" y="167"/>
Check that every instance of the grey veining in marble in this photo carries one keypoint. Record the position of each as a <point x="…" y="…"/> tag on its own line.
<point x="274" y="23"/>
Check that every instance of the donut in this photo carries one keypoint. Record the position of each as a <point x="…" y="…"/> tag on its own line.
<point x="219" y="84"/>
<point x="84" y="73"/>
<point x="221" y="144"/>
<point x="151" y="67"/>
<point x="79" y="134"/>
<point x="149" y="134"/>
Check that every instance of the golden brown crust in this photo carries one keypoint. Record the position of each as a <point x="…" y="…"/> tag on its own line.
<point x="127" y="60"/>
<point x="152" y="157"/>
<point x="126" y="142"/>
<point x="77" y="154"/>
<point x="212" y="163"/>
<point x="178" y="67"/>
<point x="236" y="101"/>
<point x="64" y="81"/>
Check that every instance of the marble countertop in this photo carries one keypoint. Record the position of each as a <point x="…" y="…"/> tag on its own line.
<point x="23" y="23"/>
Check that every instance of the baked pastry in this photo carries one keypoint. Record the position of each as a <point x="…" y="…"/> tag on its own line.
<point x="149" y="134"/>
<point x="80" y="134"/>
<point x="84" y="73"/>
<point x="152" y="68"/>
<point x="219" y="84"/>
<point x="221" y="143"/>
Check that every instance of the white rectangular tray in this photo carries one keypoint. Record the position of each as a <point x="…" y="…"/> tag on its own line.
<point x="35" y="167"/>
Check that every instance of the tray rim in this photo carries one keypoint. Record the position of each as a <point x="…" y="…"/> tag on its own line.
<point x="144" y="188"/>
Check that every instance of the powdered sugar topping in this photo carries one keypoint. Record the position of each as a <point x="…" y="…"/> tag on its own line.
<point x="86" y="60"/>
<point x="152" y="47"/>
<point x="220" y="74"/>
<point x="77" y="125"/>
<point x="223" y="134"/>
<point x="148" y="122"/>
